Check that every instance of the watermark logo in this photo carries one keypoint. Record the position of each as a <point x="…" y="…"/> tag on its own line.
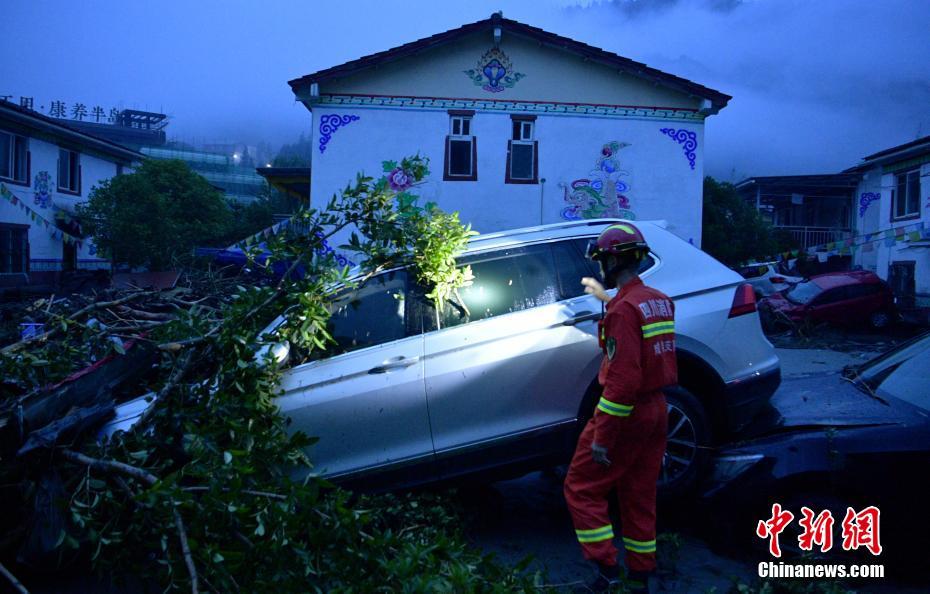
<point x="859" y="529"/>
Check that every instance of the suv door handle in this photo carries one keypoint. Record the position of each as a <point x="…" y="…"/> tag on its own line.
<point x="393" y="364"/>
<point x="582" y="316"/>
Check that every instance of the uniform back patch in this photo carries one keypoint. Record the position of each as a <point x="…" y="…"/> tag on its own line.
<point x="611" y="347"/>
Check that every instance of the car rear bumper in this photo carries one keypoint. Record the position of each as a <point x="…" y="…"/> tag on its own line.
<point x="747" y="396"/>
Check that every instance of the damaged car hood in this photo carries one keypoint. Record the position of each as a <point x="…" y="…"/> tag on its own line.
<point x="822" y="401"/>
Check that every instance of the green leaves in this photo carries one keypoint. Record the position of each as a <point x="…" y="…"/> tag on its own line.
<point x="155" y="215"/>
<point x="224" y="454"/>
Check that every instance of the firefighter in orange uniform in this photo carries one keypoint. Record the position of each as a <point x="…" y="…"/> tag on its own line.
<point x="622" y="445"/>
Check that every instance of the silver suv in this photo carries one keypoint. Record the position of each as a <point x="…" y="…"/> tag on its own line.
<point x="504" y="380"/>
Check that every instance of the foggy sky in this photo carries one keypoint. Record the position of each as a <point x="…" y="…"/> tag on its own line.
<point x="816" y="84"/>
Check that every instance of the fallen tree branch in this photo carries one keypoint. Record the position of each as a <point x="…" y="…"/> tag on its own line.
<point x="12" y="579"/>
<point x="12" y="348"/>
<point x="145" y="315"/>
<point x="186" y="550"/>
<point x="246" y="491"/>
<point x="141" y="475"/>
<point x="110" y="466"/>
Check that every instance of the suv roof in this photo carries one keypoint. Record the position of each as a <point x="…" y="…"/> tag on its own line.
<point x="551" y="231"/>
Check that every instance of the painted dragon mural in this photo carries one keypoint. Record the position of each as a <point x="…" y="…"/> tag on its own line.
<point x="603" y="193"/>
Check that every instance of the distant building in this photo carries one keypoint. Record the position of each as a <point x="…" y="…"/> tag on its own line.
<point x="812" y="209"/>
<point x="131" y="128"/>
<point x="521" y="127"/>
<point x="875" y="216"/>
<point x="237" y="181"/>
<point x="893" y="213"/>
<point x="47" y="168"/>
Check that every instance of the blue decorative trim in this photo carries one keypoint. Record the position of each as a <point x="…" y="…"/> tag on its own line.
<point x="325" y="249"/>
<point x="865" y="199"/>
<point x="331" y="122"/>
<point x="687" y="138"/>
<point x="500" y="105"/>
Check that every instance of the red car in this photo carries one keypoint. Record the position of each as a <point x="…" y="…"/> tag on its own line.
<point x="842" y="298"/>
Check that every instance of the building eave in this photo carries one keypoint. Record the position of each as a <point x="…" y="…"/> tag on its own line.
<point x="715" y="99"/>
<point x="903" y="152"/>
<point x="49" y="126"/>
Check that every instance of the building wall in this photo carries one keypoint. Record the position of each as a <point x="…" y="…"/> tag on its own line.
<point x="878" y="219"/>
<point x="46" y="251"/>
<point x="654" y="175"/>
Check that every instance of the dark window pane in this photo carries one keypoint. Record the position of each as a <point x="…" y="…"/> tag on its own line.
<point x="582" y="245"/>
<point x="5" y="251"/>
<point x="372" y="315"/>
<point x="13" y="249"/>
<point x="512" y="281"/>
<point x="456" y="126"/>
<point x="571" y="267"/>
<point x="460" y="157"/>
<point x="74" y="177"/>
<point x="521" y="161"/>
<point x="516" y="131"/>
<point x="466" y="127"/>
<point x="64" y="169"/>
<point x="19" y="159"/>
<point x="18" y="259"/>
<point x="6" y="153"/>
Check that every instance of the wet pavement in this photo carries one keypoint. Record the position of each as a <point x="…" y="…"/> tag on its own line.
<point x="527" y="517"/>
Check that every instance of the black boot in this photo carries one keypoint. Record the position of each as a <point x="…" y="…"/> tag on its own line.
<point x="637" y="582"/>
<point x="608" y="577"/>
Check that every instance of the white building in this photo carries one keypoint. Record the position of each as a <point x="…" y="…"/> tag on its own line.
<point x="46" y="170"/>
<point x="893" y="216"/>
<point x="521" y="127"/>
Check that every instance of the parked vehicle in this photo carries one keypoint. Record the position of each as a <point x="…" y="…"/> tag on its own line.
<point x="841" y="298"/>
<point x="856" y="439"/>
<point x="766" y="278"/>
<point x="503" y="380"/>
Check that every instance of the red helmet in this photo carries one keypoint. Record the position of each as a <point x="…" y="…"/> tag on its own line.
<point x="617" y="239"/>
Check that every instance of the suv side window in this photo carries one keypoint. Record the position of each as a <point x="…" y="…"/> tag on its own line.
<point x="372" y="315"/>
<point x="571" y="267"/>
<point x="505" y="282"/>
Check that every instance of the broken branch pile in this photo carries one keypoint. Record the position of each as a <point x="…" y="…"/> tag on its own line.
<point x="199" y="495"/>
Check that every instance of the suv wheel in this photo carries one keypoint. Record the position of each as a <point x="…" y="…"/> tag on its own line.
<point x="687" y="449"/>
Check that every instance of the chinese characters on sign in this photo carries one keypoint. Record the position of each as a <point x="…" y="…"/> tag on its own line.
<point x="859" y="529"/>
<point x="78" y="111"/>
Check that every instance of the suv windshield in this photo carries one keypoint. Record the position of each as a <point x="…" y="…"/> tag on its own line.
<point x="803" y="293"/>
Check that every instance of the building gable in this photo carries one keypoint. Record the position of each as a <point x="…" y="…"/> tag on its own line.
<point x="524" y="64"/>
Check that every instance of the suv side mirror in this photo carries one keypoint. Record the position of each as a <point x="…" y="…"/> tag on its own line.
<point x="280" y="352"/>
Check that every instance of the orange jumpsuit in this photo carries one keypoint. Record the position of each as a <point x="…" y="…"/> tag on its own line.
<point x="631" y="422"/>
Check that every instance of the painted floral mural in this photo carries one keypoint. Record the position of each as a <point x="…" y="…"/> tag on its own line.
<point x="494" y="72"/>
<point x="42" y="189"/>
<point x="603" y="193"/>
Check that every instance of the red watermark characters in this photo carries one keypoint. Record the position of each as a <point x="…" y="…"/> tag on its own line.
<point x="860" y="529"/>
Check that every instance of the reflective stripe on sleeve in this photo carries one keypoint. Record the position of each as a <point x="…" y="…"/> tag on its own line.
<point x="595" y="534"/>
<point x="614" y="408"/>
<point x="658" y="328"/>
